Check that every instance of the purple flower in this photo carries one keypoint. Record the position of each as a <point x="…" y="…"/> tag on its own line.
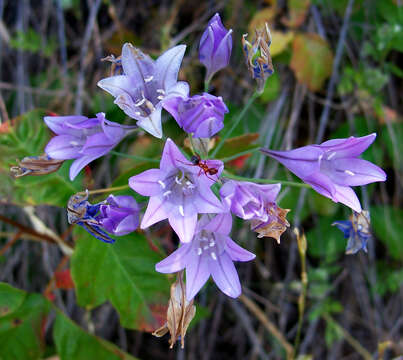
<point x="202" y="115"/>
<point x="120" y="215"/>
<point x="145" y="83"/>
<point x="178" y="191"/>
<point x="83" y="139"/>
<point x="332" y="167"/>
<point x="215" y="46"/>
<point x="356" y="230"/>
<point x="211" y="252"/>
<point x="248" y="200"/>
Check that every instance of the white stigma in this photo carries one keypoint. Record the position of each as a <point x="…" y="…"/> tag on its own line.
<point x="199" y="251"/>
<point x="214" y="256"/>
<point x="181" y="211"/>
<point x="178" y="181"/>
<point x="166" y="193"/>
<point x="349" y="172"/>
<point x="140" y="102"/>
<point x="205" y="247"/>
<point x="212" y="243"/>
<point x="162" y="184"/>
<point x="74" y="143"/>
<point x="161" y="91"/>
<point x="160" y="97"/>
<point x="148" y="79"/>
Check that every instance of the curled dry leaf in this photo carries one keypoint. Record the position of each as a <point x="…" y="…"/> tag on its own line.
<point x="275" y="226"/>
<point x="179" y="315"/>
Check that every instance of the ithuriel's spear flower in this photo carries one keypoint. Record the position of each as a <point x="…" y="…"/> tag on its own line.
<point x="202" y="115"/>
<point x="117" y="215"/>
<point x="258" y="58"/>
<point x="178" y="191"/>
<point x="145" y="83"/>
<point x="332" y="167"/>
<point x="83" y="139"/>
<point x="215" y="46"/>
<point x="257" y="203"/>
<point x="211" y="252"/>
<point x="356" y="230"/>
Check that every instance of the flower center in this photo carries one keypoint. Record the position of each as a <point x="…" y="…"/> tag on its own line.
<point x="206" y="245"/>
<point x="147" y="97"/>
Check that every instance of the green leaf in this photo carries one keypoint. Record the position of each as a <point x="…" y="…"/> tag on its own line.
<point x="73" y="343"/>
<point x="21" y="321"/>
<point x="386" y="222"/>
<point x="123" y="273"/>
<point x="238" y="145"/>
<point x="311" y="60"/>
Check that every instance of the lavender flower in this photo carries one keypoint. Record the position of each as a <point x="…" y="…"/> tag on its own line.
<point x="215" y="46"/>
<point x="356" y="230"/>
<point x="332" y="167"/>
<point x="211" y="252"/>
<point x="258" y="58"/>
<point x="83" y="139"/>
<point x="202" y="115"/>
<point x="178" y="191"/>
<point x="120" y="215"/>
<point x="145" y="83"/>
<point x="257" y="203"/>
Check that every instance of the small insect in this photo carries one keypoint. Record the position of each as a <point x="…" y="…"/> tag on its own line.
<point x="202" y="164"/>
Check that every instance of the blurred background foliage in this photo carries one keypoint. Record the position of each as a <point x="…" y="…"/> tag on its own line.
<point x="65" y="295"/>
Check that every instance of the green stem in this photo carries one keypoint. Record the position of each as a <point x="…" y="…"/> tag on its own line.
<point x="135" y="157"/>
<point x="206" y="85"/>
<point x="235" y="123"/>
<point x="265" y="181"/>
<point x="232" y="157"/>
<point x="111" y="189"/>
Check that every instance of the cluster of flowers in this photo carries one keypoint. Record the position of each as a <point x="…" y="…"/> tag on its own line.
<point x="181" y="189"/>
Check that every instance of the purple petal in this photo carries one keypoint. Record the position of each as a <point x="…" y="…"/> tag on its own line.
<point x="220" y="224"/>
<point x="302" y="161"/>
<point x="172" y="157"/>
<point x="347" y="196"/>
<point x="118" y="85"/>
<point x="58" y="123"/>
<point x="152" y="123"/>
<point x="136" y="64"/>
<point x="207" y="203"/>
<point x="79" y="164"/>
<point x="147" y="183"/>
<point x="129" y="224"/>
<point x="351" y="147"/>
<point x="181" y="88"/>
<point x="353" y="172"/>
<point x="236" y="252"/>
<point x="322" y="184"/>
<point x="157" y="210"/>
<point x="113" y="130"/>
<point x="184" y="226"/>
<point x="176" y="261"/>
<point x="197" y="273"/>
<point x="171" y="105"/>
<point x="167" y="66"/>
<point x="225" y="275"/>
<point x="97" y="145"/>
<point x="123" y="201"/>
<point x="64" y="147"/>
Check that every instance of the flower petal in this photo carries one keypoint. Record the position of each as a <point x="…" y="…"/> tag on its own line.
<point x="221" y="224"/>
<point x="146" y="183"/>
<point x="157" y="210"/>
<point x="136" y="64"/>
<point x="64" y="147"/>
<point x="129" y="224"/>
<point x="97" y="145"/>
<point x="184" y="226"/>
<point x="351" y="147"/>
<point x="353" y="172"/>
<point x="225" y="275"/>
<point x="207" y="203"/>
<point x="167" y="66"/>
<point x="197" y="273"/>
<point x="322" y="184"/>
<point x="176" y="261"/>
<point x="347" y="196"/>
<point x="58" y="123"/>
<point x="117" y="85"/>
<point x="172" y="157"/>
<point x="152" y="123"/>
<point x="79" y="164"/>
<point x="236" y="252"/>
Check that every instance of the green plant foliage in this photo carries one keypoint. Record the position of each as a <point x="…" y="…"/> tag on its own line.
<point x="33" y="42"/>
<point x="73" y="343"/>
<point x="389" y="280"/>
<point x="327" y="306"/>
<point x="386" y="222"/>
<point x="122" y="273"/>
<point x="238" y="144"/>
<point x="22" y="318"/>
<point x="271" y="88"/>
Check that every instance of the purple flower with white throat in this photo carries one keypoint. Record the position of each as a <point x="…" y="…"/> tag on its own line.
<point x="178" y="190"/>
<point x="83" y="139"/>
<point x="332" y="167"/>
<point x="215" y="46"/>
<point x="211" y="252"/>
<point x="202" y="115"/>
<point x="145" y="83"/>
<point x="119" y="215"/>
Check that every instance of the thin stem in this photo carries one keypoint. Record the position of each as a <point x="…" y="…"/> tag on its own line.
<point x="242" y="153"/>
<point x="135" y="157"/>
<point x="206" y="85"/>
<point x="235" y="123"/>
<point x="111" y="189"/>
<point x="265" y="181"/>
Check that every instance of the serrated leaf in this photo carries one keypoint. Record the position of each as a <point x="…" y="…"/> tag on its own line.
<point x="21" y="321"/>
<point x="73" y="343"/>
<point x="123" y="273"/>
<point x="311" y="60"/>
<point x="386" y="222"/>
